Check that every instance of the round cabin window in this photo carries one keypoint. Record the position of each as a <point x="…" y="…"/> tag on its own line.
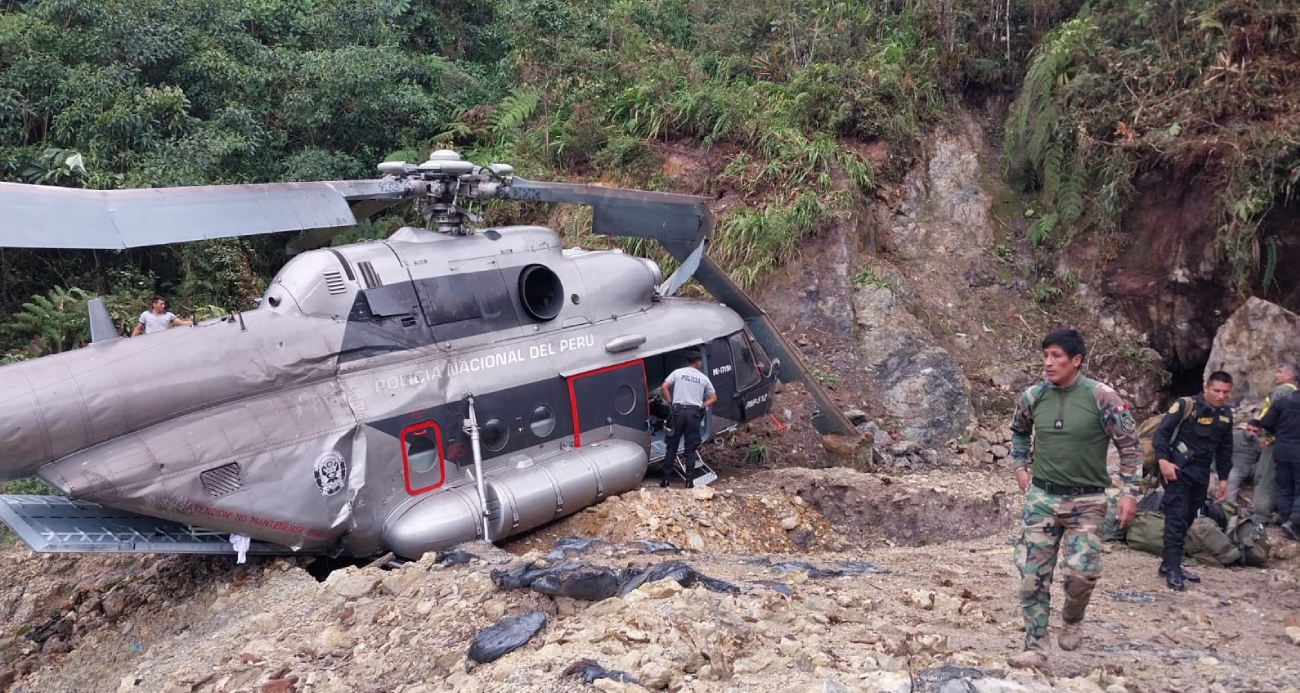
<point x="543" y="421"/>
<point x="495" y="433"/>
<point x="624" y="399"/>
<point x="421" y="450"/>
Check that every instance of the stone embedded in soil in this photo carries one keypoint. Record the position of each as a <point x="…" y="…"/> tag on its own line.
<point x="703" y="493"/>
<point x="357" y="586"/>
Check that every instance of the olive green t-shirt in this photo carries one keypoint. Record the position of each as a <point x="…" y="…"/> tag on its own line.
<point x="1071" y="426"/>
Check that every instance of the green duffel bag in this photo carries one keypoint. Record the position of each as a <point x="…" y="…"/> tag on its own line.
<point x="1209" y="545"/>
<point x="1251" y="538"/>
<point x="1147" y="532"/>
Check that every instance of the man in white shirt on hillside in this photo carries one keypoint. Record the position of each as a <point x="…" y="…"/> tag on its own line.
<point x="157" y="319"/>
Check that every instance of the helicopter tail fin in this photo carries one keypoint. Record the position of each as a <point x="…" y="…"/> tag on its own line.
<point x="101" y="323"/>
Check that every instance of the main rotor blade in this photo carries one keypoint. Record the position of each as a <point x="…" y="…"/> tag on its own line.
<point x="828" y="419"/>
<point x="670" y="218"/>
<point x="41" y="216"/>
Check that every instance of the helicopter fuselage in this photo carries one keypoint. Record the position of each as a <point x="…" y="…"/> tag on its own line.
<point x="334" y="414"/>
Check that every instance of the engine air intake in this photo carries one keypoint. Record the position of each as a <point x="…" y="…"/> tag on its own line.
<point x="541" y="292"/>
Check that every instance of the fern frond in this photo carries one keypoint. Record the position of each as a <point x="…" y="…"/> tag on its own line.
<point x="1270" y="261"/>
<point x="1042" y="229"/>
<point x="515" y="109"/>
<point x="1069" y="203"/>
<point x="1052" y="159"/>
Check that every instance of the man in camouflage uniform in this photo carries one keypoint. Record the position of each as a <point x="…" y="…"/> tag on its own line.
<point x="1265" y="471"/>
<point x="1245" y="453"/>
<point x="1062" y="470"/>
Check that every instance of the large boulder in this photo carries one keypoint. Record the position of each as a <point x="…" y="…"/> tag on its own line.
<point x="917" y="381"/>
<point x="1251" y="344"/>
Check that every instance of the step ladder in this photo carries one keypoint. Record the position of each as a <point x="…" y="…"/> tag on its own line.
<point x="704" y="474"/>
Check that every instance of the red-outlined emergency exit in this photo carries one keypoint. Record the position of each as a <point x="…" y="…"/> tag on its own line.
<point x="608" y="397"/>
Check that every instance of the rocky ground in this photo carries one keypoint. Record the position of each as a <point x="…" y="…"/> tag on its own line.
<point x="839" y="581"/>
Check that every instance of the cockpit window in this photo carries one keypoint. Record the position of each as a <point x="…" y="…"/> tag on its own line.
<point x="742" y="359"/>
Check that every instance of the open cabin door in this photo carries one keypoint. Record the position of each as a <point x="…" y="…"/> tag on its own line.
<point x="741" y="375"/>
<point x="610" y="403"/>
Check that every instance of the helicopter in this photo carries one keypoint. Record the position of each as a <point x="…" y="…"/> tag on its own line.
<point x="446" y="384"/>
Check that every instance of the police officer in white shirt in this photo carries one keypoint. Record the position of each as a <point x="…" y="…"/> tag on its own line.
<point x="689" y="392"/>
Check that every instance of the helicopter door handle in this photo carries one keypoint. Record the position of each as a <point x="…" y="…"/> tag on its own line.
<point x="610" y="420"/>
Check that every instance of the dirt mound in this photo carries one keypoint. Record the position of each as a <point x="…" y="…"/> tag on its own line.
<point x="706" y="519"/>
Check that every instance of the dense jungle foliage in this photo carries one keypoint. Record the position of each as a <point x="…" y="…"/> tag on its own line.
<point x="788" y="96"/>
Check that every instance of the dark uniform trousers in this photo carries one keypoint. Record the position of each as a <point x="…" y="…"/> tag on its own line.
<point x="1184" y="496"/>
<point x="1202" y="440"/>
<point x="684" y="421"/>
<point x="1288" y="489"/>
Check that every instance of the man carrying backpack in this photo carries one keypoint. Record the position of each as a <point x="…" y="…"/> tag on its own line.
<point x="1195" y="434"/>
<point x="1283" y="420"/>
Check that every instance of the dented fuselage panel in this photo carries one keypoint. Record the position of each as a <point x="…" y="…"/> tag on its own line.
<point x="333" y="415"/>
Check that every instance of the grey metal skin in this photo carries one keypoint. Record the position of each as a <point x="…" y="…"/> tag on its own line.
<point x="285" y="423"/>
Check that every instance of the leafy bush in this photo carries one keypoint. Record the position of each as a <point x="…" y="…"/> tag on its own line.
<point x="1125" y="86"/>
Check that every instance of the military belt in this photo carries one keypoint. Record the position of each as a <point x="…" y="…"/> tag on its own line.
<point x="1061" y="490"/>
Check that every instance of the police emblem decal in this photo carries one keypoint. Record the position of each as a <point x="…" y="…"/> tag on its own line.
<point x="331" y="472"/>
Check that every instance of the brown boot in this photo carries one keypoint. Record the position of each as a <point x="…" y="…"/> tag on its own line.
<point x="1029" y="659"/>
<point x="1071" y="637"/>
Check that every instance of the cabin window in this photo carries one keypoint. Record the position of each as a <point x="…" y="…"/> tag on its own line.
<point x="542" y="422"/>
<point x="742" y="358"/>
<point x="495" y="434"/>
<point x="624" y="399"/>
<point x="422" y="458"/>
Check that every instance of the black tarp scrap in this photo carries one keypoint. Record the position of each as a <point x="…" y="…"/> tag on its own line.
<point x="589" y="671"/>
<point x="594" y="583"/>
<point x="505" y="636"/>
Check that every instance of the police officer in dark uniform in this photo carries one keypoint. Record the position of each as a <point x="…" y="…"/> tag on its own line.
<point x="1195" y="433"/>
<point x="690" y="393"/>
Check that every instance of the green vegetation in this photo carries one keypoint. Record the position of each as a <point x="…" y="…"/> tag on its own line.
<point x="775" y="104"/>
<point x="780" y="98"/>
<point x="1045" y="293"/>
<point x="1204" y="89"/>
<point x="867" y="276"/>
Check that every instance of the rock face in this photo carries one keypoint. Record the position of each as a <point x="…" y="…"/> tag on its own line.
<point x="948" y="209"/>
<point x="1251" y="344"/>
<point x="916" y="380"/>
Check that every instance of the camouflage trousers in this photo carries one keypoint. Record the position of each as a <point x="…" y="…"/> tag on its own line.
<point x="1265" y="487"/>
<point x="1050" y="521"/>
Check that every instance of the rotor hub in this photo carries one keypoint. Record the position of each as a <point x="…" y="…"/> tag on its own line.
<point x="441" y="182"/>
